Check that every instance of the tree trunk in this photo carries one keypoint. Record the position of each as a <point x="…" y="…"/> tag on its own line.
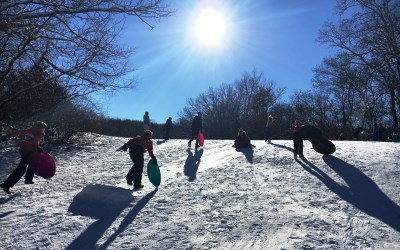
<point x="393" y="109"/>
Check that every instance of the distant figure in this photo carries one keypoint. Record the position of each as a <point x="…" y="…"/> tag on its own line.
<point x="242" y="140"/>
<point x="29" y="143"/>
<point x="356" y="134"/>
<point x="297" y="139"/>
<point x="146" y="121"/>
<point x="381" y="131"/>
<point x="268" y="129"/>
<point x="375" y="132"/>
<point x="197" y="126"/>
<point x="137" y="146"/>
<point x="167" y="127"/>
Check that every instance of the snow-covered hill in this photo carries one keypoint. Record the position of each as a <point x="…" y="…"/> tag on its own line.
<point x="212" y="198"/>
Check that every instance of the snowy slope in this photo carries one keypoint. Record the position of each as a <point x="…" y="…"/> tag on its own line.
<point x="212" y="198"/>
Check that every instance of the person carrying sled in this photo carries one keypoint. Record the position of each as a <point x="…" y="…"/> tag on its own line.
<point x="297" y="139"/>
<point x="167" y="127"/>
<point x="137" y="146"/>
<point x="242" y="140"/>
<point x="197" y="126"/>
<point x="29" y="143"/>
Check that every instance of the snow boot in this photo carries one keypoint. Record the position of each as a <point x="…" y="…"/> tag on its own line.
<point x="5" y="188"/>
<point x="137" y="187"/>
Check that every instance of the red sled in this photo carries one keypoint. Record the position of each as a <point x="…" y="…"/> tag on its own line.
<point x="200" y="139"/>
<point x="42" y="164"/>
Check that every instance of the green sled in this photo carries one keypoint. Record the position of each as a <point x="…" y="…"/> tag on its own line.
<point x="153" y="172"/>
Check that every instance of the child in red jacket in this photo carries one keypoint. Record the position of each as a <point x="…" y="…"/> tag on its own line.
<point x="137" y="146"/>
<point x="29" y="143"/>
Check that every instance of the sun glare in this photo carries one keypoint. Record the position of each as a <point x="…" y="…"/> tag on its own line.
<point x="210" y="27"/>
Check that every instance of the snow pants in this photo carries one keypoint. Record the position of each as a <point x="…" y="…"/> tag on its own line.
<point x="195" y="135"/>
<point x="268" y="133"/>
<point x="136" y="152"/>
<point x="298" y="144"/>
<point x="21" y="169"/>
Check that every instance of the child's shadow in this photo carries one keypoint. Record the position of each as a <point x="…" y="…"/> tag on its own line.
<point x="192" y="163"/>
<point x="248" y="153"/>
<point x="282" y="146"/>
<point x="105" y="204"/>
<point x="161" y="141"/>
<point x="362" y="192"/>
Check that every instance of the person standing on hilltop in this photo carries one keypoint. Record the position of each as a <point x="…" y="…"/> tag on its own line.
<point x="197" y="126"/>
<point x="297" y="139"/>
<point x="375" y="132"/>
<point x="268" y="129"/>
<point x="146" y="121"/>
<point x="167" y="127"/>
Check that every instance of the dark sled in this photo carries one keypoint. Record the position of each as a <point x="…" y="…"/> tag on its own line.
<point x="319" y="143"/>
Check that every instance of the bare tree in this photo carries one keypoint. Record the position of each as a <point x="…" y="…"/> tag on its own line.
<point x="244" y="103"/>
<point x="372" y="37"/>
<point x="76" y="41"/>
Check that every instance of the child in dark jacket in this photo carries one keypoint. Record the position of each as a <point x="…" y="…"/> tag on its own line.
<point x="197" y="126"/>
<point x="297" y="139"/>
<point x="29" y="143"/>
<point x="268" y="129"/>
<point x="137" y="146"/>
<point x="167" y="128"/>
<point x="242" y="140"/>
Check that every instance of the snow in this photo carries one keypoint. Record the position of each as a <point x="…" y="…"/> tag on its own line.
<point x="215" y="197"/>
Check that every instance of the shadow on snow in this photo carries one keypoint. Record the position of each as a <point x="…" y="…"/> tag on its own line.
<point x="192" y="163"/>
<point x="104" y="203"/>
<point x="362" y="192"/>
<point x="248" y="153"/>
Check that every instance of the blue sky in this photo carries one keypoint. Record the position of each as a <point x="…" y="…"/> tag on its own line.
<point x="276" y="37"/>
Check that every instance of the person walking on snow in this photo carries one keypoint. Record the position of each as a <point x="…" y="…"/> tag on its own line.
<point x="29" y="143"/>
<point x="167" y="128"/>
<point x="197" y="126"/>
<point x="297" y="139"/>
<point x="137" y="146"/>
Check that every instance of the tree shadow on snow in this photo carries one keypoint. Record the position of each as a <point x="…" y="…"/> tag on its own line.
<point x="248" y="153"/>
<point x="362" y="192"/>
<point x="192" y="163"/>
<point x="103" y="203"/>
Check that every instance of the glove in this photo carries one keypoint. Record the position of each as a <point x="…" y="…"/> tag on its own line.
<point x="155" y="160"/>
<point x="4" y="138"/>
<point x="125" y="147"/>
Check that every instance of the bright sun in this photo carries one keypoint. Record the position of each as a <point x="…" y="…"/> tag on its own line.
<point x="210" y="27"/>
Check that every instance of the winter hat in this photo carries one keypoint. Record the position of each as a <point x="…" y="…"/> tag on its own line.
<point x="40" y="124"/>
<point x="147" y="133"/>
